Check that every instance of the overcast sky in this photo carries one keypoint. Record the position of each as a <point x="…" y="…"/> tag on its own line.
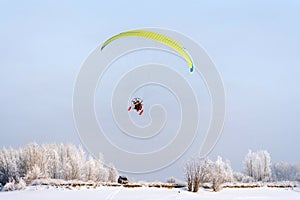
<point x="254" y="44"/>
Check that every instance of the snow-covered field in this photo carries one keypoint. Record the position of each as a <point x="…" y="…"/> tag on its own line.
<point x="264" y="193"/>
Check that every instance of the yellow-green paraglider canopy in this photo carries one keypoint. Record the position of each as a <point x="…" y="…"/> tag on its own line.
<point x="158" y="37"/>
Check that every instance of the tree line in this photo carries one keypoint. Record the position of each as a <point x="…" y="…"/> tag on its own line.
<point x="67" y="162"/>
<point x="257" y="167"/>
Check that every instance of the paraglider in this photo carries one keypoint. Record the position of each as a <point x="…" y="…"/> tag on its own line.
<point x="157" y="37"/>
<point x="137" y="104"/>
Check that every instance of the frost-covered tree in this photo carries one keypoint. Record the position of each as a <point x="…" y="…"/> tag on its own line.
<point x="95" y="170"/>
<point x="75" y="161"/>
<point x="112" y="173"/>
<point x="64" y="165"/>
<point x="195" y="172"/>
<point x="220" y="172"/>
<point x="90" y="169"/>
<point x="198" y="172"/>
<point x="72" y="161"/>
<point x="258" y="165"/>
<point x="51" y="152"/>
<point x="32" y="155"/>
<point x="101" y="171"/>
<point x="189" y="174"/>
<point x="266" y="165"/>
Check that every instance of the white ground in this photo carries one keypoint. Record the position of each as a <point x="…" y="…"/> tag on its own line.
<point x="150" y="193"/>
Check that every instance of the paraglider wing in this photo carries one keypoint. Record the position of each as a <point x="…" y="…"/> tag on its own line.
<point x="158" y="37"/>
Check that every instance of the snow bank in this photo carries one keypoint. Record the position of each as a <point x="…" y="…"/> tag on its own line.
<point x="119" y="193"/>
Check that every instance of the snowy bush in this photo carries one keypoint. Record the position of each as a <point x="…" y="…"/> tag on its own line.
<point x="173" y="180"/>
<point x="14" y="185"/>
<point x="35" y="173"/>
<point x="242" y="178"/>
<point x="258" y="165"/>
<point x="21" y="185"/>
<point x="238" y="176"/>
<point x="9" y="186"/>
<point x="248" y="179"/>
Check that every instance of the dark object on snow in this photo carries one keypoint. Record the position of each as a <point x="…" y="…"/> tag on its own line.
<point x="122" y="180"/>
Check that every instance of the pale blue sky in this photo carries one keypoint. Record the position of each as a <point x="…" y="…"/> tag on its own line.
<point x="255" y="45"/>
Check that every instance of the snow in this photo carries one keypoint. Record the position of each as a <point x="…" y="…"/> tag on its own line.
<point x="119" y="193"/>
